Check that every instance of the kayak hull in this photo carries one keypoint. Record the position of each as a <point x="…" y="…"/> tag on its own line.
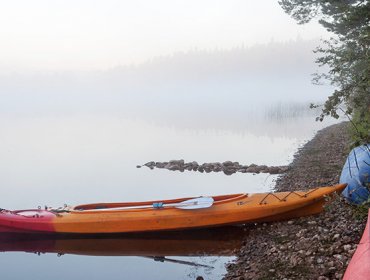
<point x="359" y="266"/>
<point x="139" y="217"/>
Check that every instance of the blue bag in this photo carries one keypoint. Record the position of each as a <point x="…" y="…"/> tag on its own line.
<point x="356" y="173"/>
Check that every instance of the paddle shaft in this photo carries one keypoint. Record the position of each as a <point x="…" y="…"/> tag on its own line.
<point x="163" y="259"/>
<point x="188" y="204"/>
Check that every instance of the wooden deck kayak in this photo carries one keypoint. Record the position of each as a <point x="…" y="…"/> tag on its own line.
<point x="359" y="266"/>
<point x="184" y="213"/>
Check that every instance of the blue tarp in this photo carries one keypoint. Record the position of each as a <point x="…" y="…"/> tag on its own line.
<point x="356" y="173"/>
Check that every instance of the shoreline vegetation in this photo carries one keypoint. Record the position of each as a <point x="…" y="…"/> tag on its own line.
<point x="314" y="247"/>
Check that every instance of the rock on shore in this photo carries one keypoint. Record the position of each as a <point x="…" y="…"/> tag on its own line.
<point x="316" y="247"/>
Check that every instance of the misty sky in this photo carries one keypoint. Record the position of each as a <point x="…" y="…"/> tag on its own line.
<point x="90" y="35"/>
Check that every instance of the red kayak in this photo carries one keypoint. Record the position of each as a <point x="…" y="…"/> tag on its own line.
<point x="359" y="267"/>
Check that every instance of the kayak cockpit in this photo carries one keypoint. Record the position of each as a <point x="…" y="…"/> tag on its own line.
<point x="178" y="203"/>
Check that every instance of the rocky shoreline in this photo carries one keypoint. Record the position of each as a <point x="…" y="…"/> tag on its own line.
<point x="227" y="167"/>
<point x="315" y="247"/>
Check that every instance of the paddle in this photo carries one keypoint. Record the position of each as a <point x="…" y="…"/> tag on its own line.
<point x="190" y="204"/>
<point x="163" y="259"/>
<point x="194" y="203"/>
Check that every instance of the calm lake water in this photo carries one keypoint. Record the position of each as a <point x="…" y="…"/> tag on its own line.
<point x="52" y="160"/>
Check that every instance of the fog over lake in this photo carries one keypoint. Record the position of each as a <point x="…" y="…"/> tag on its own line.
<point x="201" y="105"/>
<point x="218" y="89"/>
<point x="76" y="137"/>
<point x="89" y="90"/>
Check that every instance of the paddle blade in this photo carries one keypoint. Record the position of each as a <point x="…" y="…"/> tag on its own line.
<point x="196" y="203"/>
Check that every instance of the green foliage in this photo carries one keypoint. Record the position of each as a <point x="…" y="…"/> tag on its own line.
<point x="360" y="212"/>
<point x="347" y="54"/>
<point x="361" y="128"/>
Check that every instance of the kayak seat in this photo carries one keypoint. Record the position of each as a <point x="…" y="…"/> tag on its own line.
<point x="101" y="207"/>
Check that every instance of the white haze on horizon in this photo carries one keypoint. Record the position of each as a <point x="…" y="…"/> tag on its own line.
<point x="207" y="63"/>
<point x="81" y="35"/>
<point x="199" y="89"/>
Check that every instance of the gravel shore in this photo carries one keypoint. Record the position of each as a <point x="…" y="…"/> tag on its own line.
<point x="315" y="247"/>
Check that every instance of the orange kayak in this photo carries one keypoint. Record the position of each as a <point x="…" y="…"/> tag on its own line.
<point x="182" y="213"/>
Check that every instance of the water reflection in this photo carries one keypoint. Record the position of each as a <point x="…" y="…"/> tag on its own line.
<point x="211" y="242"/>
<point x="189" y="251"/>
